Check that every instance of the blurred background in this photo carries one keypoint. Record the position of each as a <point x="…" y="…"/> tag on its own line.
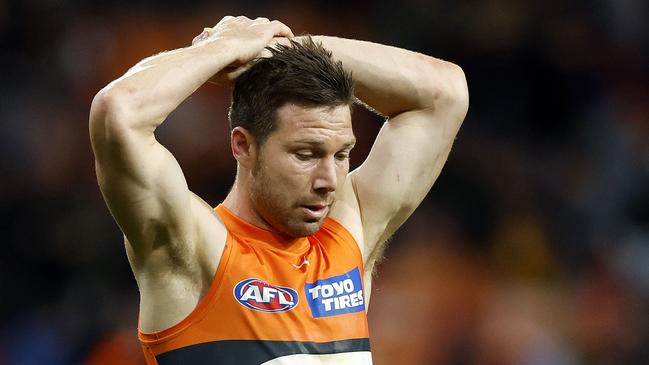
<point x="531" y="249"/>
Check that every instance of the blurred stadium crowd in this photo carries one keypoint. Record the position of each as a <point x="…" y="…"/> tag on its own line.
<point x="531" y="249"/>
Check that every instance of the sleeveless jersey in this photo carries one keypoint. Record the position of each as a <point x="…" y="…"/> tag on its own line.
<point x="274" y="301"/>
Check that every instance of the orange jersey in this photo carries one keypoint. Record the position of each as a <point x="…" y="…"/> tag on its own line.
<point x="274" y="301"/>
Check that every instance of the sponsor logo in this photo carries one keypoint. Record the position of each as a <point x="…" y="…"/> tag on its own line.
<point x="261" y="296"/>
<point x="337" y="295"/>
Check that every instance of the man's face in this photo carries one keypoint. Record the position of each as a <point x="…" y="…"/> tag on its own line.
<point x="300" y="167"/>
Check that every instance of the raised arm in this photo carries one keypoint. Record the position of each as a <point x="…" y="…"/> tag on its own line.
<point x="141" y="181"/>
<point x="425" y="100"/>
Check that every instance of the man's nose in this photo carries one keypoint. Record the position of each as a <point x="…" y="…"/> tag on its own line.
<point x="325" y="176"/>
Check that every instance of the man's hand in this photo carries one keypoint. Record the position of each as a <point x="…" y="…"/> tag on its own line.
<point x="246" y="38"/>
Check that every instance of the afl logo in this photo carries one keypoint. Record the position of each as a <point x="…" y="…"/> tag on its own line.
<point x="261" y="296"/>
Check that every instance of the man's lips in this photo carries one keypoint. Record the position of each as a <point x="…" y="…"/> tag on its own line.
<point x="315" y="206"/>
<point x="315" y="210"/>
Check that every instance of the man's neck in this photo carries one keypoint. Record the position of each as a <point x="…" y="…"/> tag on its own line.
<point x="238" y="202"/>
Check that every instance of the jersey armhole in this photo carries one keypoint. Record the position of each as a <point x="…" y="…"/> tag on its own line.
<point x="157" y="337"/>
<point x="339" y="229"/>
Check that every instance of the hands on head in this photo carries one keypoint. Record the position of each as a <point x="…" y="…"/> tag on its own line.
<point x="245" y="37"/>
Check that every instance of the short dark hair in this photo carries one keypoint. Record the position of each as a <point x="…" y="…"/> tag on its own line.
<point x="302" y="72"/>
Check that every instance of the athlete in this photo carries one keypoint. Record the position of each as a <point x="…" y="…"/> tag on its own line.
<point x="280" y="272"/>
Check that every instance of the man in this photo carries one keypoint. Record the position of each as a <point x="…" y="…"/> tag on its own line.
<point x="280" y="272"/>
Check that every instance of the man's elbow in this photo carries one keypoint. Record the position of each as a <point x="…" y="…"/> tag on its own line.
<point x="459" y="91"/>
<point x="449" y="92"/>
<point x="109" y="116"/>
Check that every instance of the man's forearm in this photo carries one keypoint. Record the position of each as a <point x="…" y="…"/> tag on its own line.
<point x="154" y="87"/>
<point x="393" y="80"/>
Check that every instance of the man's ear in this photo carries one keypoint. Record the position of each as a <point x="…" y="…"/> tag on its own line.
<point x="244" y="147"/>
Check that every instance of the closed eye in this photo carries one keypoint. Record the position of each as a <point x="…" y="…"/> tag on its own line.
<point x="308" y="154"/>
<point x="342" y="156"/>
<point x="303" y="156"/>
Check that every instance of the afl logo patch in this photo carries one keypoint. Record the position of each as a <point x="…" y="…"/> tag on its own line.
<point x="264" y="297"/>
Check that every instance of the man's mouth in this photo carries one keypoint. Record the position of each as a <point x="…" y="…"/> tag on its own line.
<point x="315" y="211"/>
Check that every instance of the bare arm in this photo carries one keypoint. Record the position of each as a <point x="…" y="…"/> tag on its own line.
<point x="141" y="181"/>
<point x="425" y="100"/>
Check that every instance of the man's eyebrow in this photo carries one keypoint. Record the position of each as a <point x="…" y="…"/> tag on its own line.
<point x="350" y="144"/>
<point x="312" y="142"/>
<point x="317" y="143"/>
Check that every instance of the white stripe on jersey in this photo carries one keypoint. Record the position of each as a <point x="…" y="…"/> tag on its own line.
<point x="347" y="358"/>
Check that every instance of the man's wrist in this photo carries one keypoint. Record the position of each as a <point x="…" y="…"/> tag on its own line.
<point x="217" y="50"/>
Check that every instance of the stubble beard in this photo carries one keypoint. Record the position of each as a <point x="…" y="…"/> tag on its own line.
<point x="275" y="209"/>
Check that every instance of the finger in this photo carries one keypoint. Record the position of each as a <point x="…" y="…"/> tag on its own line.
<point x="281" y="29"/>
<point x="265" y="53"/>
<point x="204" y="35"/>
<point x="224" y="19"/>
<point x="279" y="40"/>
<point x="233" y="19"/>
<point x="261" y="20"/>
<point x="242" y="18"/>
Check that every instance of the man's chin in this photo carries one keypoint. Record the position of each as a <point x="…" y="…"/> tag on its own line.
<point x="304" y="229"/>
